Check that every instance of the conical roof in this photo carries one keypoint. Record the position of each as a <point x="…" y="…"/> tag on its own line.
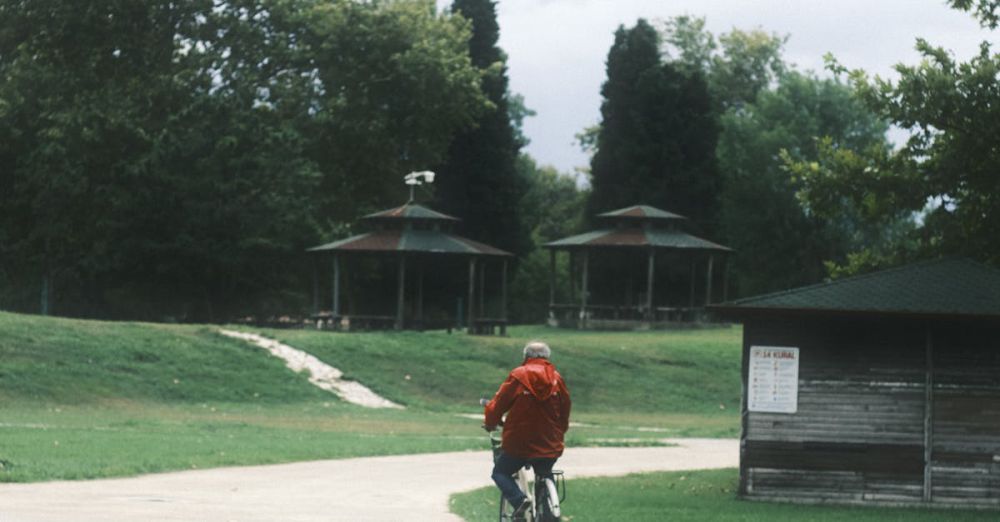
<point x="410" y="211"/>
<point x="644" y="212"/>
<point x="637" y="237"/>
<point x="632" y="232"/>
<point x="397" y="236"/>
<point x="399" y="240"/>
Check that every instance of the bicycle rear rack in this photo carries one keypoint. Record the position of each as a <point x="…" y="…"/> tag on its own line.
<point x="560" y="479"/>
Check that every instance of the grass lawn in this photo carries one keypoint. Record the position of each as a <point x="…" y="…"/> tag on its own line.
<point x="702" y="496"/>
<point x="644" y="373"/>
<point x="87" y="399"/>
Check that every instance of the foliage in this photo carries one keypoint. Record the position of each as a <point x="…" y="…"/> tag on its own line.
<point x="396" y="85"/>
<point x="767" y="110"/>
<point x="552" y="209"/>
<point x="693" y="496"/>
<point x="172" y="160"/>
<point x="740" y="66"/>
<point x="479" y="180"/>
<point x="781" y="243"/>
<point x="656" y="143"/>
<point x="984" y="10"/>
<point x="945" y="173"/>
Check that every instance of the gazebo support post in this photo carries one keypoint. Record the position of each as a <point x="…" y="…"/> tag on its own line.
<point x="503" y="298"/>
<point x="583" y="289"/>
<point x="552" y="278"/>
<point x="650" y="273"/>
<point x="401" y="293"/>
<point x="469" y="327"/>
<point x="725" y="280"/>
<point x="708" y="281"/>
<point x="315" y="288"/>
<point x="482" y="290"/>
<point x="420" y="294"/>
<point x="572" y="276"/>
<point x="693" y="277"/>
<point x="336" y="288"/>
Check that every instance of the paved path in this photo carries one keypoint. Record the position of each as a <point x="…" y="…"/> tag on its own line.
<point x="390" y="489"/>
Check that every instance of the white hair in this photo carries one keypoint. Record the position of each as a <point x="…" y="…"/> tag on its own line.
<point x="537" y="350"/>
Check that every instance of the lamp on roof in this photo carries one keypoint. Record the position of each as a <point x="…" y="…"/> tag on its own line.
<point x="418" y="178"/>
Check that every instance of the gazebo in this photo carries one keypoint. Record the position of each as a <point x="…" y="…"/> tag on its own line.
<point x="634" y="243"/>
<point x="416" y="239"/>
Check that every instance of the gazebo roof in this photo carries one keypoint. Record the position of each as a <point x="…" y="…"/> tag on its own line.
<point x="644" y="212"/>
<point x="397" y="235"/>
<point x="636" y="229"/>
<point x="410" y="211"/>
<point x="426" y="241"/>
<point x="945" y="287"/>
<point x="636" y="237"/>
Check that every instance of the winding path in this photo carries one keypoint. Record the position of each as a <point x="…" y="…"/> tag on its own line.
<point x="321" y="375"/>
<point x="390" y="489"/>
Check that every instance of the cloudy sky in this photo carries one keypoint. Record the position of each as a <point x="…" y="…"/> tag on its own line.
<point x="556" y="48"/>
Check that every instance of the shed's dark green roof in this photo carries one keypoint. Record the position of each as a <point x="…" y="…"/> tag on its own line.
<point x="410" y="211"/>
<point x="946" y="287"/>
<point x="636" y="237"/>
<point x="425" y="241"/>
<point x="641" y="212"/>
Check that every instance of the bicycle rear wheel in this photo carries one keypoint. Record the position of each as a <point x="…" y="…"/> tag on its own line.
<point x="506" y="510"/>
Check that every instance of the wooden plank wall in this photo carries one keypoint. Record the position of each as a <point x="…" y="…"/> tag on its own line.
<point x="859" y="433"/>
<point x="966" y="439"/>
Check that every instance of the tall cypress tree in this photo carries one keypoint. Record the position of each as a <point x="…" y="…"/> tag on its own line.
<point x="479" y="182"/>
<point x="656" y="143"/>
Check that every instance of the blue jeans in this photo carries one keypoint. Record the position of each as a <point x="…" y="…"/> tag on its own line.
<point x="505" y="468"/>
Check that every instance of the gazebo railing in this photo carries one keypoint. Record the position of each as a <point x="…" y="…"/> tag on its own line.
<point x="572" y="314"/>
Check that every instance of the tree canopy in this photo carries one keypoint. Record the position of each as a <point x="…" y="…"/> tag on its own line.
<point x="173" y="160"/>
<point x="479" y="181"/>
<point x="943" y="179"/>
<point x="657" y="136"/>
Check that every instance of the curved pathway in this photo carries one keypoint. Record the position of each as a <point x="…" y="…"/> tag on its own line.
<point x="321" y="375"/>
<point x="390" y="489"/>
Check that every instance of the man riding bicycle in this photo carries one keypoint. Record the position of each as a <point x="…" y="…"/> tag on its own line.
<point x="537" y="405"/>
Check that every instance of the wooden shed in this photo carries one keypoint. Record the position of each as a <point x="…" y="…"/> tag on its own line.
<point x="877" y="389"/>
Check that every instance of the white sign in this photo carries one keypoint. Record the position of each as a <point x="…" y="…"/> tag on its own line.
<point x="773" y="382"/>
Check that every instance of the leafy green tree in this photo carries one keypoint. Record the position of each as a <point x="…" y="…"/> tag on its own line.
<point x="657" y="137"/>
<point x="479" y="181"/>
<point x="946" y="171"/>
<point x="945" y="174"/>
<point x="779" y="242"/>
<point x="984" y="10"/>
<point x="553" y="208"/>
<point x="173" y="159"/>
<point x="738" y="66"/>
<point x="396" y="85"/>
<point x="767" y="111"/>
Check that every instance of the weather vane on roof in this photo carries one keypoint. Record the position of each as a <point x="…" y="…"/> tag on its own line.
<point x="418" y="178"/>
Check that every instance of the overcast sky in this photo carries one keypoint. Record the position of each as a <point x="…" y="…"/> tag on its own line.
<point x="557" y="48"/>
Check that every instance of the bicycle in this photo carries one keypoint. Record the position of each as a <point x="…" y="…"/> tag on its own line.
<point x="545" y="496"/>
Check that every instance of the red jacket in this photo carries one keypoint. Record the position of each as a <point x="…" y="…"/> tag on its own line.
<point x="537" y="404"/>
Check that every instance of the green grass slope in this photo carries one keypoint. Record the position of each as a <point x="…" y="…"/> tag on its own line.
<point x="78" y="362"/>
<point x="86" y="399"/>
<point x="687" y="371"/>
